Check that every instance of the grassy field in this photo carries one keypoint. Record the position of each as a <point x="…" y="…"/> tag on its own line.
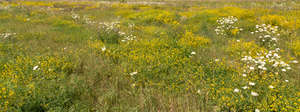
<point x="200" y="56"/>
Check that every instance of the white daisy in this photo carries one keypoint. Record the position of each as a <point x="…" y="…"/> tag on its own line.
<point x="254" y="93"/>
<point x="244" y="75"/>
<point x="236" y="90"/>
<point x="198" y="91"/>
<point x="217" y="60"/>
<point x="133" y="73"/>
<point x="256" y="110"/>
<point x="133" y="85"/>
<point x="295" y="61"/>
<point x="103" y="48"/>
<point x="251" y="83"/>
<point x="35" y="67"/>
<point x="245" y="87"/>
<point x="284" y="70"/>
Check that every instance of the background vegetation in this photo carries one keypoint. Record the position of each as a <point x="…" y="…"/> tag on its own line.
<point x="92" y="56"/>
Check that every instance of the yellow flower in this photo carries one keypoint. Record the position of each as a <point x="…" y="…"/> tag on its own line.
<point x="189" y="40"/>
<point x="235" y="31"/>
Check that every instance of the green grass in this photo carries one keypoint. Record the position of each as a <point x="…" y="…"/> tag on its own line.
<point x="56" y="62"/>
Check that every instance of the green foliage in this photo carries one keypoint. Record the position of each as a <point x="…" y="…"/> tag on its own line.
<point x="34" y="83"/>
<point x="295" y="46"/>
<point x="154" y="16"/>
<point x="92" y="56"/>
<point x="158" y="63"/>
<point x="241" y="48"/>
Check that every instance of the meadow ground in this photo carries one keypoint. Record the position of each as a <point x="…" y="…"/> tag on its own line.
<point x="63" y="56"/>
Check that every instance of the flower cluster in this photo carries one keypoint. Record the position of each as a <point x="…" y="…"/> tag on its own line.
<point x="111" y="27"/>
<point x="19" y="79"/>
<point x="263" y="70"/>
<point x="227" y="26"/>
<point x="268" y="35"/>
<point x="265" y="61"/>
<point x="262" y="74"/>
<point x="114" y="27"/>
<point x="4" y="7"/>
<point x="85" y="19"/>
<point x="75" y="16"/>
<point x="7" y="35"/>
<point x="88" y="20"/>
<point x="108" y="27"/>
<point x="129" y="37"/>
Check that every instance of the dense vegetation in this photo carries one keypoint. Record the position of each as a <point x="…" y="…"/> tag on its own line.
<point x="91" y="56"/>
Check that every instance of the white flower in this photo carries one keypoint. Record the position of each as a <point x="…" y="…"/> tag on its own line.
<point x="284" y="70"/>
<point x="288" y="68"/>
<point x="133" y="85"/>
<point x="264" y="68"/>
<point x="266" y="36"/>
<point x="249" y="58"/>
<point x="251" y="68"/>
<point x="295" y="61"/>
<point x="103" y="48"/>
<point x="251" y="83"/>
<point x="286" y="80"/>
<point x="256" y="110"/>
<point x="238" y="40"/>
<point x="245" y="87"/>
<point x="198" y="91"/>
<point x="133" y="73"/>
<point x="217" y="60"/>
<point x="193" y="53"/>
<point x="236" y="90"/>
<point x="254" y="93"/>
<point x="244" y="75"/>
<point x="35" y="67"/>
<point x="271" y="86"/>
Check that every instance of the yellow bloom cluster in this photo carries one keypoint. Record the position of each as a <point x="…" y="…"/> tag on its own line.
<point x="20" y="78"/>
<point x="191" y="41"/>
<point x="155" y="16"/>
<point x="295" y="46"/>
<point x="241" y="47"/>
